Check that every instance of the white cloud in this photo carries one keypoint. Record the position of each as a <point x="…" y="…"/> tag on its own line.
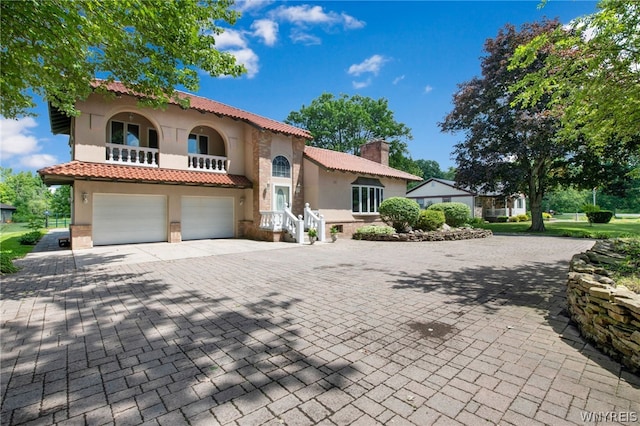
<point x="248" y="58"/>
<point x="398" y="79"/>
<point x="351" y="23"/>
<point x="361" y="84"/>
<point x="38" y="161"/>
<point x="305" y="15"/>
<point x="230" y="39"/>
<point x="369" y="65"/>
<point x="305" y="38"/>
<point x="16" y="138"/>
<point x="266" y="29"/>
<point x="235" y="43"/>
<point x="428" y="89"/>
<point x="246" y="5"/>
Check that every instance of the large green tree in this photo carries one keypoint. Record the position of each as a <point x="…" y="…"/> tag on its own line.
<point x="55" y="48"/>
<point x="60" y="202"/>
<point x="506" y="147"/>
<point x="590" y="76"/>
<point x="26" y="192"/>
<point x="347" y="122"/>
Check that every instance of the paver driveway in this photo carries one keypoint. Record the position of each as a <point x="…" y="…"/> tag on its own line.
<point x="462" y="332"/>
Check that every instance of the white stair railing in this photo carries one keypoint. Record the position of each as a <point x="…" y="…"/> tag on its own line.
<point x="313" y="220"/>
<point x="283" y="220"/>
<point x="294" y="225"/>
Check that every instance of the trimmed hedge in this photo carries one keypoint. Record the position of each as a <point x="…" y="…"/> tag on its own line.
<point x="372" y="232"/>
<point x="399" y="212"/>
<point x="456" y="214"/>
<point x="430" y="220"/>
<point x="601" y="216"/>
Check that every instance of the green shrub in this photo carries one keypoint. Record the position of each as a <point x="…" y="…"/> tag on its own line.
<point x="399" y="212"/>
<point x="502" y="219"/>
<point x="364" y="231"/>
<point x="455" y="214"/>
<point x="6" y="264"/>
<point x="476" y="221"/>
<point x="30" y="238"/>
<point x="601" y="216"/>
<point x="513" y="219"/>
<point x="588" y="208"/>
<point x="523" y="217"/>
<point x="430" y="220"/>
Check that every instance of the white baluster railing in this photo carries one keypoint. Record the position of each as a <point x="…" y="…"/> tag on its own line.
<point x="208" y="163"/>
<point x="271" y="220"/>
<point x="283" y="221"/>
<point x="294" y="225"/>
<point x="314" y="220"/>
<point x="132" y="155"/>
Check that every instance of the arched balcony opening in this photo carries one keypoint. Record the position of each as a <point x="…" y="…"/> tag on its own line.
<point x="132" y="140"/>
<point x="206" y="150"/>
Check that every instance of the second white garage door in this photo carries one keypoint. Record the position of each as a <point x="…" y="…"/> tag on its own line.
<point x="126" y="219"/>
<point x="207" y="217"/>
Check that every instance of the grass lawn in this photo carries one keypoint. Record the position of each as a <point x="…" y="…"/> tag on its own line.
<point x="10" y="246"/>
<point x="617" y="228"/>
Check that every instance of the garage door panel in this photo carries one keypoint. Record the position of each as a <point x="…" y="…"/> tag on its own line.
<point x="125" y="219"/>
<point x="207" y="217"/>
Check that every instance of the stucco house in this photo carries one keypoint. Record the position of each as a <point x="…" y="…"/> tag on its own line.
<point x="207" y="171"/>
<point x="488" y="206"/>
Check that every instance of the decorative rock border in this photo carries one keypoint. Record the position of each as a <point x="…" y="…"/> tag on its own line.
<point x="453" y="234"/>
<point x="608" y="316"/>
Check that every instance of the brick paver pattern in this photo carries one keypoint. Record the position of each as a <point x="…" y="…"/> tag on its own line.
<point x="352" y="333"/>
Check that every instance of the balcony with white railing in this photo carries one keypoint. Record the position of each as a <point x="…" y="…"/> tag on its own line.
<point x="131" y="155"/>
<point x="208" y="163"/>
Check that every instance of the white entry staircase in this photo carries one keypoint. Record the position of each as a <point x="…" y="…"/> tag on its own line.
<point x="296" y="226"/>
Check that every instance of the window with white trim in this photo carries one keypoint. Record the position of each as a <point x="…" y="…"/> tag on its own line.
<point x="198" y="144"/>
<point x="366" y="195"/>
<point x="123" y="133"/>
<point x="280" y="167"/>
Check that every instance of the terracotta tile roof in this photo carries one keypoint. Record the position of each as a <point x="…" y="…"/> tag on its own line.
<point x="334" y="160"/>
<point x="66" y="172"/>
<point x="207" y="105"/>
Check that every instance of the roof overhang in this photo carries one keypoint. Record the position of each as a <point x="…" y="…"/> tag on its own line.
<point x="65" y="174"/>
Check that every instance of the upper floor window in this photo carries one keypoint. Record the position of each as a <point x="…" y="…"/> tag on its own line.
<point x="123" y="133"/>
<point x="366" y="195"/>
<point x="198" y="144"/>
<point x="280" y="167"/>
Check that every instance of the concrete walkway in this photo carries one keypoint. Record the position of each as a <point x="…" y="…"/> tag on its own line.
<point x="245" y="333"/>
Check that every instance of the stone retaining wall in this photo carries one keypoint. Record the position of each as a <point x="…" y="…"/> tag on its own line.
<point x="608" y="316"/>
<point x="453" y="234"/>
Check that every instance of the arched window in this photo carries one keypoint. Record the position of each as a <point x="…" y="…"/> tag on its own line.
<point x="280" y="167"/>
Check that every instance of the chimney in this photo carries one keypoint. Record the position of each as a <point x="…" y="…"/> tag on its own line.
<point x="376" y="150"/>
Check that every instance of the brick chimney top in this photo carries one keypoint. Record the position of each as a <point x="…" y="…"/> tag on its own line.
<point x="376" y="150"/>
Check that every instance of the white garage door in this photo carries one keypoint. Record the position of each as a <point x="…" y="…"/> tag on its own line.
<point x="124" y="219"/>
<point x="207" y="217"/>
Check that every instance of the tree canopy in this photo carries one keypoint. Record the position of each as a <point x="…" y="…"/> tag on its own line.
<point x="26" y="192"/>
<point x="347" y="122"/>
<point x="55" y="48"/>
<point x="507" y="148"/>
<point x="590" y="76"/>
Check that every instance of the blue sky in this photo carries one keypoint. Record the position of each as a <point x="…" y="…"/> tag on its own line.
<point x="414" y="54"/>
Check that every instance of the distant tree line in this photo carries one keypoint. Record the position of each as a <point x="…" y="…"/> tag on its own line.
<point x="32" y="199"/>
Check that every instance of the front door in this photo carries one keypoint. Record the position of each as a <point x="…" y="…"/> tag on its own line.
<point x="281" y="197"/>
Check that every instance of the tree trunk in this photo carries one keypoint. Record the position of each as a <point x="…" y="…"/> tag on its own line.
<point x="537" y="221"/>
